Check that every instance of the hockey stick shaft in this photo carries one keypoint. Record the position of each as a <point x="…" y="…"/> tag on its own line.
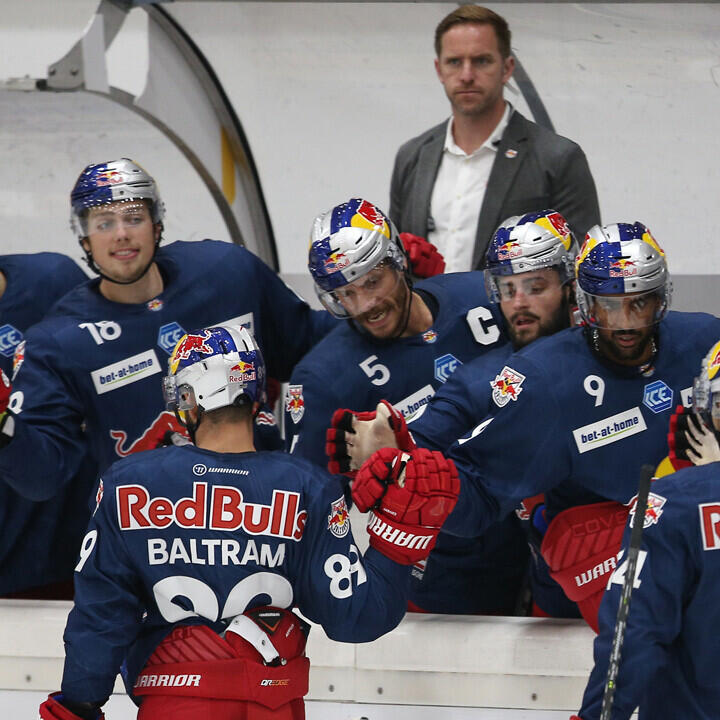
<point x="646" y="474"/>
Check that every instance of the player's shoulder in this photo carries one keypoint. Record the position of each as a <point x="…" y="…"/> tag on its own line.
<point x="689" y="327"/>
<point x="335" y="350"/>
<point x="457" y="293"/>
<point x="561" y="352"/>
<point x="689" y="487"/>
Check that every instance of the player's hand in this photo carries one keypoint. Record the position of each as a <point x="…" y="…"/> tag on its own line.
<point x="411" y="496"/>
<point x="54" y="709"/>
<point x="703" y="443"/>
<point x="354" y="437"/>
<point x="425" y="259"/>
<point x="5" y="391"/>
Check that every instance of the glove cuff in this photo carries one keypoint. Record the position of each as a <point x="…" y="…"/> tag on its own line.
<point x="405" y="544"/>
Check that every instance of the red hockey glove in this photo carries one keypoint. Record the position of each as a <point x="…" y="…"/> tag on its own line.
<point x="53" y="709"/>
<point x="411" y="497"/>
<point x="7" y="421"/>
<point x="5" y="391"/>
<point x="425" y="260"/>
<point x="354" y="437"/>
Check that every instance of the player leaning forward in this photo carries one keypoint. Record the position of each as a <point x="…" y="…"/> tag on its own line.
<point x="578" y="413"/>
<point x="189" y="544"/>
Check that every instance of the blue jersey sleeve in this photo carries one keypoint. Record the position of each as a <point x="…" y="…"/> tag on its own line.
<point x="519" y="450"/>
<point x="48" y="444"/>
<point x="666" y="570"/>
<point x="354" y="598"/>
<point x="107" y="614"/>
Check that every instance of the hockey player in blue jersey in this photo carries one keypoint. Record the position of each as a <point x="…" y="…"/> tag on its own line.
<point x="91" y="363"/>
<point x="38" y="541"/>
<point x="576" y="414"/>
<point x="402" y="341"/>
<point x="669" y="655"/>
<point x="530" y="276"/>
<point x="189" y="545"/>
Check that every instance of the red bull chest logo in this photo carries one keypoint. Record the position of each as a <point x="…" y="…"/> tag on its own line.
<point x="295" y="403"/>
<point x="623" y="268"/>
<point x="18" y="359"/>
<point x="339" y="518"/>
<point x="653" y="511"/>
<point x="215" y="507"/>
<point x="506" y="386"/>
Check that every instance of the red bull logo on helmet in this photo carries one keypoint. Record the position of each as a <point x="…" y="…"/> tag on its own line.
<point x="559" y="223"/>
<point x="623" y="268"/>
<point x="653" y="511"/>
<point x="108" y="177"/>
<point x="509" y="250"/>
<point x="242" y="372"/>
<point x="339" y="518"/>
<point x="369" y="217"/>
<point x="336" y="261"/>
<point x="189" y="344"/>
<point x="712" y="367"/>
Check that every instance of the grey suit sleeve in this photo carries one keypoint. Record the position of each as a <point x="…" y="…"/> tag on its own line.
<point x="574" y="194"/>
<point x="396" y="199"/>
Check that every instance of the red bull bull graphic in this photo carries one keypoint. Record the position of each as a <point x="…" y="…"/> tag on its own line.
<point x="336" y="261"/>
<point x="155" y="436"/>
<point x="108" y="177"/>
<point x="339" y="518"/>
<point x="653" y="511"/>
<point x="190" y="344"/>
<point x="430" y="336"/>
<point x="506" y="386"/>
<point x="370" y="213"/>
<point x="559" y="223"/>
<point x="18" y="358"/>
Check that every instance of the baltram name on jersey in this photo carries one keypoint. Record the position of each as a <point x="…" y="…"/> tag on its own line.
<point x="213" y="551"/>
<point x="222" y="509"/>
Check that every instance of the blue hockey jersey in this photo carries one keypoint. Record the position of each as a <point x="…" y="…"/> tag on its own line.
<point x="478" y="574"/>
<point x="184" y="535"/>
<point x="38" y="541"/>
<point x="353" y="370"/>
<point x="98" y="364"/>
<point x="34" y="283"/>
<point x="567" y="423"/>
<point x="669" y="661"/>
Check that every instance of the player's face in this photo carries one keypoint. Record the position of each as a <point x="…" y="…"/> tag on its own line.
<point x="626" y="325"/>
<point x="534" y="304"/>
<point x="472" y="70"/>
<point x="121" y="237"/>
<point x="377" y="301"/>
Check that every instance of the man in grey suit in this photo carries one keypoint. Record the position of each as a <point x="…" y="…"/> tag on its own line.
<point x="457" y="181"/>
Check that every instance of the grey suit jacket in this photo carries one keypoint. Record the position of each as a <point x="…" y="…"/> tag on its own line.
<point x="548" y="171"/>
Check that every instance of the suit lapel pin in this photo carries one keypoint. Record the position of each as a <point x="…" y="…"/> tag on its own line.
<point x="510" y="153"/>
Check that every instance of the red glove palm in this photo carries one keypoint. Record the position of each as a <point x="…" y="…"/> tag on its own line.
<point x="411" y="497"/>
<point x="425" y="260"/>
<point x="53" y="709"/>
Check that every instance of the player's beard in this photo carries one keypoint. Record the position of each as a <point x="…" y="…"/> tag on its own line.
<point x="636" y="355"/>
<point x="558" y="320"/>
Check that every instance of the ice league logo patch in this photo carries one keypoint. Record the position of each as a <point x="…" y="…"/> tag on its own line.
<point x="506" y="386"/>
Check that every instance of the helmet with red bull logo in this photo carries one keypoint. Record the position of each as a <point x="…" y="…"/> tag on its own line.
<point x="706" y="387"/>
<point x="213" y="368"/>
<point x="525" y="243"/>
<point x="618" y="260"/>
<point x="117" y="180"/>
<point x="346" y="243"/>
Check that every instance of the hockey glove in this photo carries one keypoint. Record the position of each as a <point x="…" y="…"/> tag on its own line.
<point x="354" y="437"/>
<point x="410" y="496"/>
<point x="425" y="259"/>
<point x="690" y="439"/>
<point x="57" y="708"/>
<point x="7" y="421"/>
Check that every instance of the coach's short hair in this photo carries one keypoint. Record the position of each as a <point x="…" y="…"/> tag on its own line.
<point x="475" y="14"/>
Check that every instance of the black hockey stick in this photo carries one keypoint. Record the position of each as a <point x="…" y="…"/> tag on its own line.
<point x="646" y="473"/>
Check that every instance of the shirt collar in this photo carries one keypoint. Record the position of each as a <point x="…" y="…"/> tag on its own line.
<point x="491" y="143"/>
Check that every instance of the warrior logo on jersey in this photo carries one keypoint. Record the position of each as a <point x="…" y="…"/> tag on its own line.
<point x="652" y="512"/>
<point x="18" y="359"/>
<point x="339" y="518"/>
<point x="161" y="428"/>
<point x="294" y="402"/>
<point x="506" y="386"/>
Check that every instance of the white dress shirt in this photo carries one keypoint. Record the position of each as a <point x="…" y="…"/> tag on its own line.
<point x="458" y="194"/>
